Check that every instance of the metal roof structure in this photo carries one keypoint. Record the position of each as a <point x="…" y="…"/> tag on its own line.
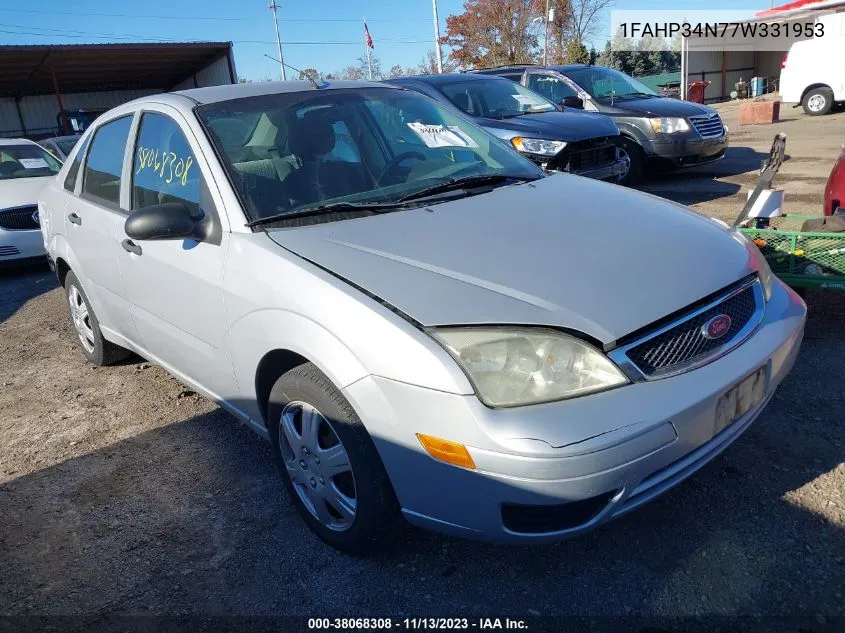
<point x="47" y="69"/>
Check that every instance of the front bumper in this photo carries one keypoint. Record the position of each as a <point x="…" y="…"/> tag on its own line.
<point x="664" y="433"/>
<point x="686" y="150"/>
<point x="21" y="247"/>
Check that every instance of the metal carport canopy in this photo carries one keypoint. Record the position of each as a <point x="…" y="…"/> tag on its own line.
<point x="29" y="69"/>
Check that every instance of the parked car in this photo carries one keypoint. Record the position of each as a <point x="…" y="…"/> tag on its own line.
<point x="25" y="168"/>
<point x="60" y="146"/>
<point x="813" y="73"/>
<point x="834" y="191"/>
<point x="657" y="132"/>
<point x="575" y="142"/>
<point x="419" y="319"/>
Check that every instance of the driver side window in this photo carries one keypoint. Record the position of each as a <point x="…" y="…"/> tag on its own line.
<point x="164" y="168"/>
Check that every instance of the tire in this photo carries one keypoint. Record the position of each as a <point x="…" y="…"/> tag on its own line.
<point x="98" y="351"/>
<point x="636" y="156"/>
<point x="323" y="499"/>
<point x="818" y="101"/>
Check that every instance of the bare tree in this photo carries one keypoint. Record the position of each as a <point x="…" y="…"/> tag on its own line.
<point x="584" y="17"/>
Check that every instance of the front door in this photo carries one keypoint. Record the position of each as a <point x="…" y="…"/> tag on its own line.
<point x="175" y="287"/>
<point x="93" y="219"/>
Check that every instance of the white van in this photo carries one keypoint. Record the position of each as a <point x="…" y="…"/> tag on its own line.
<point x="813" y="72"/>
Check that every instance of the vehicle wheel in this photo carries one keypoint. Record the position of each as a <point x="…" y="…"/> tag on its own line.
<point x="97" y="349"/>
<point x="329" y="463"/>
<point x="636" y="161"/>
<point x="818" y="101"/>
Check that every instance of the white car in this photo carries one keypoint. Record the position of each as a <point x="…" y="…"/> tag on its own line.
<point x="60" y="146"/>
<point x="419" y="319"/>
<point x="25" y="167"/>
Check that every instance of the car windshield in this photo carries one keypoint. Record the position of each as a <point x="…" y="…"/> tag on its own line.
<point x="497" y="98"/>
<point x="67" y="145"/>
<point x="294" y="151"/>
<point x="606" y="83"/>
<point x="26" y="161"/>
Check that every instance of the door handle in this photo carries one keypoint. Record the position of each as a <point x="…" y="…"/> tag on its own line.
<point x="131" y="247"/>
<point x="75" y="219"/>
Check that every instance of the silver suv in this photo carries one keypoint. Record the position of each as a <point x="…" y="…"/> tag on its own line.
<point x="419" y="320"/>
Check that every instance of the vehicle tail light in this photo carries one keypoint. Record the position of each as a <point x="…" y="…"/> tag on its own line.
<point x="783" y="61"/>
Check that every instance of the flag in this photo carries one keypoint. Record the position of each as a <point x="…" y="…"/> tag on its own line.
<point x="367" y="39"/>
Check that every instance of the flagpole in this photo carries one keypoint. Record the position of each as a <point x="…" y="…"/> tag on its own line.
<point x="367" y="51"/>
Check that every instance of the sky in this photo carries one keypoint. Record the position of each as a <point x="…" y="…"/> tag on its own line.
<point x="323" y="34"/>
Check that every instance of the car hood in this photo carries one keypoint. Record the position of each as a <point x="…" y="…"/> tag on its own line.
<point x="17" y="192"/>
<point x="557" y="126"/>
<point x="564" y="251"/>
<point x="655" y="106"/>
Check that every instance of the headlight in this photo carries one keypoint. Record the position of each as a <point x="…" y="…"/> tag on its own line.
<point x="669" y="125"/>
<point x="537" y="146"/>
<point x="761" y="265"/>
<point x="511" y="367"/>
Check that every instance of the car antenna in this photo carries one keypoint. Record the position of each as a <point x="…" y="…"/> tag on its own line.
<point x="314" y="84"/>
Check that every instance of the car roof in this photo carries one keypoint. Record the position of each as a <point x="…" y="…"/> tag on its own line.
<point x="214" y="94"/>
<point x="16" y="141"/>
<point x="443" y="79"/>
<point x="558" y="67"/>
<point x="69" y="137"/>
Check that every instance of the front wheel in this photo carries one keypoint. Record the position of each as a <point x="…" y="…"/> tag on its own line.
<point x="634" y="154"/>
<point x="818" y="101"/>
<point x="329" y="463"/>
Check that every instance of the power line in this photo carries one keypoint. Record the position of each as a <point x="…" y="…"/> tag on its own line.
<point x="171" y="40"/>
<point x="193" y="17"/>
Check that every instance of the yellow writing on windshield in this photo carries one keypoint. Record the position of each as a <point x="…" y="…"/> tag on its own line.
<point x="167" y="165"/>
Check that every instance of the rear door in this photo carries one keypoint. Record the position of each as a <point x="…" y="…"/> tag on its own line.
<point x="175" y="286"/>
<point x="94" y="218"/>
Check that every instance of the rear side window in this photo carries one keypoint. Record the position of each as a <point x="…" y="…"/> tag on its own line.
<point x="105" y="161"/>
<point x="164" y="168"/>
<point x="73" y="170"/>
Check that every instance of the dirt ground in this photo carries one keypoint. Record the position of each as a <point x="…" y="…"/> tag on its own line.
<point x="121" y="492"/>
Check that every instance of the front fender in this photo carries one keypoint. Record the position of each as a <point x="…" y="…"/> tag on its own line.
<point x="263" y="331"/>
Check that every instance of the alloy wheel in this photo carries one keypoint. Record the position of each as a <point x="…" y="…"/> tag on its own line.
<point x="318" y="466"/>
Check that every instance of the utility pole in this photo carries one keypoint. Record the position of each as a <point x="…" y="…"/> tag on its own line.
<point x="546" y="37"/>
<point x="272" y="6"/>
<point x="437" y="37"/>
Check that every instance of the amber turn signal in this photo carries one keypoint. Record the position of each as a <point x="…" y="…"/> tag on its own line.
<point x="446" y="451"/>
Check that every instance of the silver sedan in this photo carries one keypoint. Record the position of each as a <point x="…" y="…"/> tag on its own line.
<point x="420" y="321"/>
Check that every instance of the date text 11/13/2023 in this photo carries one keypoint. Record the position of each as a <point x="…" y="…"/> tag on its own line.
<point x="431" y="624"/>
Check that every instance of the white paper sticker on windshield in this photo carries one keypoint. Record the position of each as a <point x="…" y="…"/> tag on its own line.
<point x="33" y="163"/>
<point x="441" y="136"/>
<point x="524" y="99"/>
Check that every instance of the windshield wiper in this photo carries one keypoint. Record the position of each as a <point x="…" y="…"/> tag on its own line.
<point x="364" y="207"/>
<point x="467" y="182"/>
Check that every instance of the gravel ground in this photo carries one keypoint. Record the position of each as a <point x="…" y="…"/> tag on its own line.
<point x="122" y="492"/>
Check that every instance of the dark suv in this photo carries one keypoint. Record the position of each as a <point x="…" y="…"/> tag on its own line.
<point x="576" y="142"/>
<point x="655" y="130"/>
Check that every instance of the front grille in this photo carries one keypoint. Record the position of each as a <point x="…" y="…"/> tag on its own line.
<point x="19" y="218"/>
<point x="708" y="125"/>
<point x="685" y="342"/>
<point x="585" y="156"/>
<point x="8" y="251"/>
<point x="534" y="519"/>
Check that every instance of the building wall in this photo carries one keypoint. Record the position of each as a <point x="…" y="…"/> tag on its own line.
<point x="39" y="111"/>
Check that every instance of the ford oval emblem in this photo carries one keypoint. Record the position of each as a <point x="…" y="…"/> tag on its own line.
<point x="716" y="327"/>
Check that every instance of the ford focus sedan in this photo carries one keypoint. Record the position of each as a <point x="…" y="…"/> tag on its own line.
<point x="419" y="320"/>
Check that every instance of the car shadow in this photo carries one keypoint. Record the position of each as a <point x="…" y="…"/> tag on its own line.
<point x="192" y="518"/>
<point x="19" y="285"/>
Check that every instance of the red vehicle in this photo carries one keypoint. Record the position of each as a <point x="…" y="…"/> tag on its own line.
<point x="834" y="191"/>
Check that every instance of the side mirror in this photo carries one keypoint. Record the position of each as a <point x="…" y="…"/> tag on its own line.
<point x="572" y="102"/>
<point x="167" y="221"/>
